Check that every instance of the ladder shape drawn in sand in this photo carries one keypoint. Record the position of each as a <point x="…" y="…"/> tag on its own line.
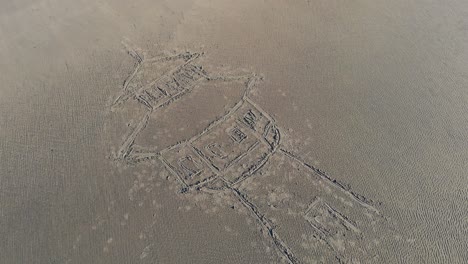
<point x="229" y="150"/>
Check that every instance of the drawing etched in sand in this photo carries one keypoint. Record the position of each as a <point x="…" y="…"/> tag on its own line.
<point x="304" y="213"/>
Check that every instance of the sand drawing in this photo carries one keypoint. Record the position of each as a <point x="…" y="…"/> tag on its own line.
<point x="231" y="151"/>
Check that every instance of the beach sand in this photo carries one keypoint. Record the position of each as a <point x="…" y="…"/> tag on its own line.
<point x="198" y="131"/>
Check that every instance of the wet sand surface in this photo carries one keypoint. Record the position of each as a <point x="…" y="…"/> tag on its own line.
<point x="196" y="131"/>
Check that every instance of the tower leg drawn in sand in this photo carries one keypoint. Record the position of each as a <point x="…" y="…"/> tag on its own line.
<point x="241" y="152"/>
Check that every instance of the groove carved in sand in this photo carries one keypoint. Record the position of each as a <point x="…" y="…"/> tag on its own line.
<point x="230" y="150"/>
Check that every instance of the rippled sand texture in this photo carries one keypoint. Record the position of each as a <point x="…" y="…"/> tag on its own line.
<point x="233" y="131"/>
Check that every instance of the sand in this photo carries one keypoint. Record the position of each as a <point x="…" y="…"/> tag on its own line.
<point x="196" y="131"/>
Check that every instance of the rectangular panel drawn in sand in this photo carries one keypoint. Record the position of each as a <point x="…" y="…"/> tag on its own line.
<point x="236" y="147"/>
<point x="232" y="148"/>
<point x="156" y="82"/>
<point x="327" y="220"/>
<point x="187" y="165"/>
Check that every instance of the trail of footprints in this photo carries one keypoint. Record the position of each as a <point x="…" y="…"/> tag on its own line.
<point x="234" y="148"/>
